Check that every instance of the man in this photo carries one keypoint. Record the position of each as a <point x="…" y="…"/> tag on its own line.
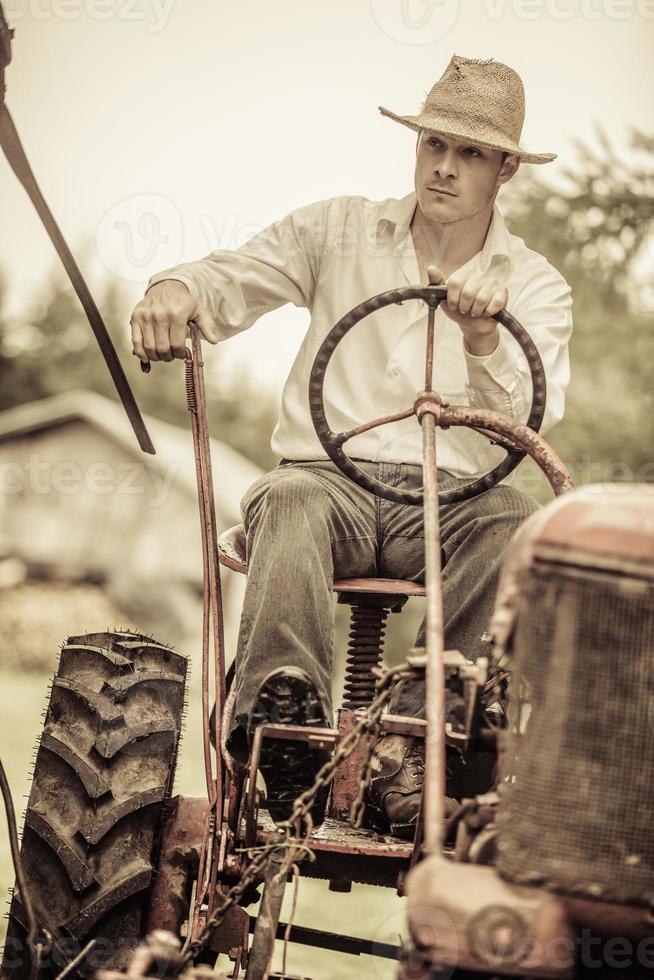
<point x="306" y="523"/>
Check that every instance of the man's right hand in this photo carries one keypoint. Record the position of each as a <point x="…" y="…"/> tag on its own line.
<point x="160" y="322"/>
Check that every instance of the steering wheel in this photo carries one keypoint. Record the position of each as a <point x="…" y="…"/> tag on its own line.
<point x="513" y="436"/>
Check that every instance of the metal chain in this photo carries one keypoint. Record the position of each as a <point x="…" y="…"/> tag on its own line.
<point x="367" y="724"/>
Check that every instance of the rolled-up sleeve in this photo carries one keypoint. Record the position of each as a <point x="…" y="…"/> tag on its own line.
<point x="501" y="381"/>
<point x="278" y="265"/>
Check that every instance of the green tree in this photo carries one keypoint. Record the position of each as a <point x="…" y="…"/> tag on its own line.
<point x="53" y="350"/>
<point x="597" y="229"/>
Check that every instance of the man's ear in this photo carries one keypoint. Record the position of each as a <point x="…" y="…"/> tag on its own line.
<point x="509" y="168"/>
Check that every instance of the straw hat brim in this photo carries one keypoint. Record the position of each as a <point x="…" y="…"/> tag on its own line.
<point x="434" y="124"/>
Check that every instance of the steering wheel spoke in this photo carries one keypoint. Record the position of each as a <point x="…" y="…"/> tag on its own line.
<point x="339" y="438"/>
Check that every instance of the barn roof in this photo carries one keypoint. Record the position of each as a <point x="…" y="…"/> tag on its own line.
<point x="231" y="470"/>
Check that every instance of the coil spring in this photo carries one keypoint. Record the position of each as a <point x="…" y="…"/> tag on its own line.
<point x="364" y="652"/>
<point x="189" y="381"/>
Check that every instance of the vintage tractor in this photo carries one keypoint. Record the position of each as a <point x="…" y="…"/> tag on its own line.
<point x="542" y="871"/>
<point x="545" y="869"/>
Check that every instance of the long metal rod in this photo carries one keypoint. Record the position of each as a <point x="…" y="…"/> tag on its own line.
<point x="263" y="941"/>
<point x="21" y="881"/>
<point x="214" y="583"/>
<point x="319" y="939"/>
<point x="212" y="625"/>
<point x="191" y="393"/>
<point x="429" y="360"/>
<point x="13" y="149"/>
<point x="216" y="607"/>
<point x="433" y="804"/>
<point x="434" y="785"/>
<point x="81" y="956"/>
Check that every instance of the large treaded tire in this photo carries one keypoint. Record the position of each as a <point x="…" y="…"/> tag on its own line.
<point x="102" y="778"/>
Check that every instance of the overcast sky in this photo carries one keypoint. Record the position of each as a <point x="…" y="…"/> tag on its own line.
<point x="160" y="130"/>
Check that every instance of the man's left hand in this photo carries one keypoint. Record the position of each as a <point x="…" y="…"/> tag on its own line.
<point x="472" y="299"/>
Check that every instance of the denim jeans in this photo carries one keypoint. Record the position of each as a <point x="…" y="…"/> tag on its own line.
<point x="308" y="524"/>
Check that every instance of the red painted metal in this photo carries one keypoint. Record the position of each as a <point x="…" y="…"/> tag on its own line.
<point x="178" y="864"/>
<point x="342" y="852"/>
<point x="345" y="787"/>
<point x="612" y="521"/>
<point x="433" y="794"/>
<point x="520" y="435"/>
<point x="213" y="646"/>
<point x="380" y="586"/>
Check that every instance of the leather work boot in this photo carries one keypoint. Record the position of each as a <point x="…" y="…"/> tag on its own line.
<point x="393" y="797"/>
<point x="288" y="696"/>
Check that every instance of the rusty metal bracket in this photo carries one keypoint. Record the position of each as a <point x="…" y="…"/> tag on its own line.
<point x="179" y="857"/>
<point x="320" y="738"/>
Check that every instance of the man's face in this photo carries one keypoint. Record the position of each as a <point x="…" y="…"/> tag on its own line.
<point x="456" y="178"/>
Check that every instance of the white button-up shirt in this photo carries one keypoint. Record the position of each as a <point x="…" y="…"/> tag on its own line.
<point x="333" y="255"/>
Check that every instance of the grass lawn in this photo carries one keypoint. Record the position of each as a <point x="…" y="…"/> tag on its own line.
<point x="366" y="912"/>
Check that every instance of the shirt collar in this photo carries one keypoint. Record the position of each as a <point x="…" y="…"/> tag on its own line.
<point x="396" y="215"/>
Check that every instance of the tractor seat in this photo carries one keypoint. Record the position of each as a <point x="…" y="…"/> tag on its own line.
<point x="232" y="553"/>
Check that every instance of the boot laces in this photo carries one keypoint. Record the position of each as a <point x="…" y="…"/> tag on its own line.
<point x="415" y="760"/>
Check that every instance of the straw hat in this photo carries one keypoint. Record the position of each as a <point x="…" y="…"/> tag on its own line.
<point x="483" y="101"/>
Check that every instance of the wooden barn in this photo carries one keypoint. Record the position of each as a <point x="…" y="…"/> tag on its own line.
<point x="81" y="507"/>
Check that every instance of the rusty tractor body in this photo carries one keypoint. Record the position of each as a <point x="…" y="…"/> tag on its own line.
<point x="556" y="849"/>
<point x="545" y="869"/>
